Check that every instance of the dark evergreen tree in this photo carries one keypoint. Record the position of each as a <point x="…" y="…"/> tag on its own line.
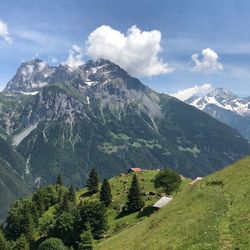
<point x="105" y="193"/>
<point x="28" y="225"/>
<point x="92" y="182"/>
<point x="59" y="180"/>
<point x="72" y="194"/>
<point x="65" y="204"/>
<point x="20" y="220"/>
<point x="64" y="228"/>
<point x="4" y="245"/>
<point x="94" y="215"/>
<point x="135" y="202"/>
<point x="86" y="240"/>
<point x="21" y="243"/>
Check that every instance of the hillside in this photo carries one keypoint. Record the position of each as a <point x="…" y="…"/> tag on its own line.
<point x="12" y="168"/>
<point x="213" y="214"/>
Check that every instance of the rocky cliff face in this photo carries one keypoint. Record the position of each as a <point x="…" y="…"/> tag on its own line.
<point x="98" y="115"/>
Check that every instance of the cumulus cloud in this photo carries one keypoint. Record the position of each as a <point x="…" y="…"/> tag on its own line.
<point x="198" y="90"/>
<point x="75" y="58"/>
<point x="208" y="61"/>
<point x="136" y="51"/>
<point x="4" y="32"/>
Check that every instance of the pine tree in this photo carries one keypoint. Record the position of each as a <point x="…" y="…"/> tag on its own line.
<point x="92" y="182"/>
<point x="135" y="202"/>
<point x="72" y="194"/>
<point x="92" y="214"/>
<point x="86" y="239"/>
<point x="64" y="206"/>
<point x="21" y="243"/>
<point x="59" y="180"/>
<point x="105" y="193"/>
<point x="28" y="225"/>
<point x="3" y="243"/>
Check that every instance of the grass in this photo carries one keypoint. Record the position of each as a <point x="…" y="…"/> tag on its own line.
<point x="213" y="214"/>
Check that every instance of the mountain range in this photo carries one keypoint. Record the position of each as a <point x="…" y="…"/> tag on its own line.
<point x="226" y="107"/>
<point x="60" y="120"/>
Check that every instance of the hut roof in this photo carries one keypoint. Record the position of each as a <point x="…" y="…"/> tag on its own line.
<point x="136" y="169"/>
<point x="163" y="201"/>
<point x="195" y="180"/>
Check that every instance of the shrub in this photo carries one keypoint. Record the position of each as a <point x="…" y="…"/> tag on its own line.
<point x="168" y="180"/>
<point x="52" y="244"/>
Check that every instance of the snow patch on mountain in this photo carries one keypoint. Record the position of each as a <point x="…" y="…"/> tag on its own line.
<point x="29" y="93"/>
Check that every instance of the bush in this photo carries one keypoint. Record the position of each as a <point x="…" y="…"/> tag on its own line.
<point x="168" y="180"/>
<point x="52" y="244"/>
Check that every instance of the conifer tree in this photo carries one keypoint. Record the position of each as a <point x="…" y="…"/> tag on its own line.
<point x="86" y="239"/>
<point x="64" y="204"/>
<point x="72" y="194"/>
<point x="135" y="202"/>
<point x="105" y="193"/>
<point x="21" y="243"/>
<point x="59" y="180"/>
<point x="92" y="182"/>
<point x="3" y="243"/>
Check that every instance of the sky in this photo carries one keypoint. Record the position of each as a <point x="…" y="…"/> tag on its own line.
<point x="178" y="47"/>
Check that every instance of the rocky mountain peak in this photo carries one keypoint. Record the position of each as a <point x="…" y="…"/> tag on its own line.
<point x="221" y="93"/>
<point x="30" y="76"/>
<point x="34" y="75"/>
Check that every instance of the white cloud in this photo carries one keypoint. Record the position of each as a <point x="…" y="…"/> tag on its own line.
<point x="52" y="59"/>
<point x="4" y="33"/>
<point x="198" y="90"/>
<point x="75" y="58"/>
<point x="136" y="51"/>
<point x="208" y="61"/>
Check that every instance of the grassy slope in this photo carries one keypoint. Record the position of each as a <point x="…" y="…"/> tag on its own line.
<point x="199" y="217"/>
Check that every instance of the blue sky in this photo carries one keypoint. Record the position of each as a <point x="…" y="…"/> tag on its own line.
<point x="49" y="29"/>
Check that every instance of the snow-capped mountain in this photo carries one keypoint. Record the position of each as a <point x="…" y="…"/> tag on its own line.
<point x="226" y="107"/>
<point x="224" y="99"/>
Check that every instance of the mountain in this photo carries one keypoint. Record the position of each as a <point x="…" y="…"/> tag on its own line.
<point x="213" y="214"/>
<point x="227" y="108"/>
<point x="66" y="121"/>
<point x="13" y="184"/>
